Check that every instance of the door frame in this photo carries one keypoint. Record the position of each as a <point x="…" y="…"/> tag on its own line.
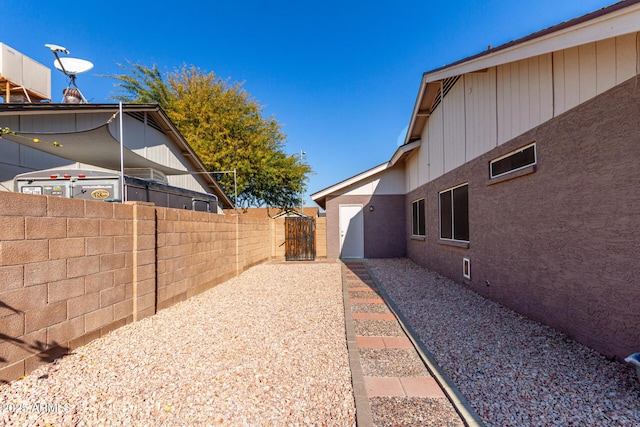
<point x="342" y="236"/>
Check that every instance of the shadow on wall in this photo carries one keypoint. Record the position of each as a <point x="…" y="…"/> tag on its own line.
<point x="46" y="353"/>
<point x="351" y="232"/>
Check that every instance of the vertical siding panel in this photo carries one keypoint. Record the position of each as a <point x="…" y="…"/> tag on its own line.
<point x="605" y="65"/>
<point x="515" y="101"/>
<point x="505" y="111"/>
<point x="546" y="87"/>
<point x="411" y="173"/>
<point x="534" y="92"/>
<point x="436" y="144"/>
<point x="491" y="109"/>
<point x="523" y="123"/>
<point x="571" y="77"/>
<point x="480" y="105"/>
<point x="625" y="57"/>
<point x="423" y="158"/>
<point x="587" y="58"/>
<point x="559" y="105"/>
<point x="454" y="131"/>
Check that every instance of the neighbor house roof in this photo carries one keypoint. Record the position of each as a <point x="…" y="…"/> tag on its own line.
<point x="615" y="20"/>
<point x="103" y="155"/>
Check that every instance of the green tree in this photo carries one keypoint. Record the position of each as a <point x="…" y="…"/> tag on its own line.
<point x="226" y="127"/>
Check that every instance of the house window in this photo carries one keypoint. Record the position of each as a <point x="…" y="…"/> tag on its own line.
<point x="417" y="228"/>
<point x="454" y="213"/>
<point x="513" y="161"/>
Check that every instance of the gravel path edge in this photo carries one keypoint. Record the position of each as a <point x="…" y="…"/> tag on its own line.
<point x="460" y="404"/>
<point x="364" y="418"/>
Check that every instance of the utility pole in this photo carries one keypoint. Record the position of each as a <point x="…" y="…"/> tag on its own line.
<point x="302" y="152"/>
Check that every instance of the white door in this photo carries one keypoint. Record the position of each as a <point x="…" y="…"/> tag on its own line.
<point x="351" y="231"/>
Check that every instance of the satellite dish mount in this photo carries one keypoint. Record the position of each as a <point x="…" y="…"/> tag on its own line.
<point x="71" y="67"/>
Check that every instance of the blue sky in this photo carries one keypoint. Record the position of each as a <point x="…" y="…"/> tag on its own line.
<point x="340" y="76"/>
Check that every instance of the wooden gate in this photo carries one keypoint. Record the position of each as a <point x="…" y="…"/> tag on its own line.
<point x="300" y="239"/>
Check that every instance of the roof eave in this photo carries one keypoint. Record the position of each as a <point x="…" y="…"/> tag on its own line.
<point x="584" y="29"/>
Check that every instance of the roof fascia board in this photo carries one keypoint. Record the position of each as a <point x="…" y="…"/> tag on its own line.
<point x="350" y="181"/>
<point x="402" y="151"/>
<point x="617" y="23"/>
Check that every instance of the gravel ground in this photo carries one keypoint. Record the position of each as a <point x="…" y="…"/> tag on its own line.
<point x="391" y="362"/>
<point x="413" y="412"/>
<point x="369" y="308"/>
<point x="513" y="371"/>
<point x="266" y="348"/>
<point x="377" y="328"/>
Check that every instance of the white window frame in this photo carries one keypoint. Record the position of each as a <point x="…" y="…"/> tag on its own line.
<point x="453" y="231"/>
<point x="424" y="214"/>
<point x="511" y="153"/>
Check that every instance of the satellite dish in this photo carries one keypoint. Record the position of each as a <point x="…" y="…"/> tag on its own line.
<point x="72" y="66"/>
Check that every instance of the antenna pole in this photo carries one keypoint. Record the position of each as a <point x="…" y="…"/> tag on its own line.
<point x="121" y="156"/>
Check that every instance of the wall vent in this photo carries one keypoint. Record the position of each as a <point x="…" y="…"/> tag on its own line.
<point x="149" y="120"/>
<point x="466" y="268"/>
<point x="447" y="84"/>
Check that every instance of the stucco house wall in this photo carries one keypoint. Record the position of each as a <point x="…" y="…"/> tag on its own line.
<point x="384" y="226"/>
<point x="559" y="244"/>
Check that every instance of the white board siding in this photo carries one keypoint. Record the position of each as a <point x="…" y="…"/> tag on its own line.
<point x="626" y="57"/>
<point x="423" y="160"/>
<point x="524" y="96"/>
<point x="605" y="65"/>
<point x="480" y="112"/>
<point x="489" y="108"/>
<point x="436" y="144"/>
<point x="587" y="58"/>
<point x="389" y="182"/>
<point x="454" y="127"/>
<point x="412" y="173"/>
<point x="582" y="72"/>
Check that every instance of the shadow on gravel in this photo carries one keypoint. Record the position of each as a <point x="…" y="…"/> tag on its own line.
<point x="358" y="277"/>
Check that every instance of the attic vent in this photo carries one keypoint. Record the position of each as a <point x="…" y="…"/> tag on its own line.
<point x="150" y="121"/>
<point x="447" y="84"/>
<point x="147" y="174"/>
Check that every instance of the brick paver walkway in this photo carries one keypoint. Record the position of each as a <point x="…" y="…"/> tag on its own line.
<point x="375" y="377"/>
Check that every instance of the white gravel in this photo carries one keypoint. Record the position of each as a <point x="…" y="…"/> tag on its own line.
<point x="266" y="348"/>
<point x="513" y="371"/>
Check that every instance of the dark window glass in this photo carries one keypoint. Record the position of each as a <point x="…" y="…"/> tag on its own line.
<point x="517" y="160"/>
<point x="414" y="227"/>
<point x="421" y="229"/>
<point x="417" y="228"/>
<point x="446" y="215"/>
<point x="461" y="213"/>
<point x="454" y="214"/>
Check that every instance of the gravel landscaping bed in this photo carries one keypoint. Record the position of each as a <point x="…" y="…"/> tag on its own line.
<point x="377" y="328"/>
<point x="391" y="362"/>
<point x="358" y="307"/>
<point x="265" y="348"/>
<point x="413" y="412"/>
<point x="513" y="371"/>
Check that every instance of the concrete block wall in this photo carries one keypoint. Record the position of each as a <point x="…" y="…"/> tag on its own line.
<point x="66" y="276"/>
<point x="73" y="270"/>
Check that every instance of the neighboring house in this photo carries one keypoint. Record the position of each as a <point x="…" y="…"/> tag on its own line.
<point x="519" y="178"/>
<point x="86" y="136"/>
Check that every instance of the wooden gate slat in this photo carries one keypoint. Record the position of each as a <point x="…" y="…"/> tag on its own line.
<point x="300" y="242"/>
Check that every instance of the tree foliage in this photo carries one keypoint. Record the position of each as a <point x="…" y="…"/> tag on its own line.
<point x="225" y="126"/>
